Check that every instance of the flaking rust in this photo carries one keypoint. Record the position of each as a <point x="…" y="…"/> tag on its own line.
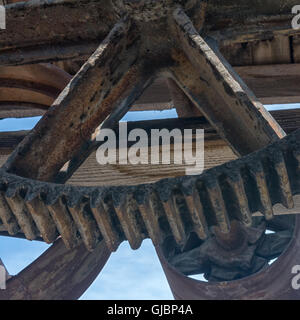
<point x="126" y="217"/>
<point x="131" y="50"/>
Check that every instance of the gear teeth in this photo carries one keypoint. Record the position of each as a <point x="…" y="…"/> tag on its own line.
<point x="64" y="223"/>
<point x="236" y="183"/>
<point x="126" y="214"/>
<point x="42" y="218"/>
<point x="8" y="217"/>
<point x="263" y="192"/>
<point x="154" y="210"/>
<point x="173" y="216"/>
<point x="86" y="225"/>
<point x="25" y="221"/>
<point x="150" y="217"/>
<point x="196" y="211"/>
<point x="107" y="229"/>
<point x="284" y="183"/>
<point x="217" y="202"/>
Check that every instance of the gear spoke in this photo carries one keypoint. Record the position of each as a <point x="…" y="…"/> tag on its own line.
<point x="220" y="95"/>
<point x="95" y="91"/>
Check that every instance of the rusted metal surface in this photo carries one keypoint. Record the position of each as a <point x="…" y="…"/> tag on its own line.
<point x="257" y="21"/>
<point x="81" y="107"/>
<point x="258" y="173"/>
<point x="69" y="21"/>
<point x="212" y="85"/>
<point x="58" y="274"/>
<point x="30" y="90"/>
<point x="272" y="84"/>
<point x="289" y="120"/>
<point x="220" y="201"/>
<point x="224" y="256"/>
<point x="111" y="121"/>
<point x="181" y="102"/>
<point x="272" y="282"/>
<point x="124" y="58"/>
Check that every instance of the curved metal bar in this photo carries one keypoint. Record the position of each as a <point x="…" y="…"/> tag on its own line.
<point x="85" y="204"/>
<point x="62" y="274"/>
<point x="58" y="274"/>
<point x="273" y="282"/>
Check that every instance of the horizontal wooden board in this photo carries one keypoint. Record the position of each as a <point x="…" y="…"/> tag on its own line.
<point x="216" y="152"/>
<point x="272" y="84"/>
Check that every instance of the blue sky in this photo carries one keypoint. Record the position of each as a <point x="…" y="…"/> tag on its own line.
<point x="128" y="274"/>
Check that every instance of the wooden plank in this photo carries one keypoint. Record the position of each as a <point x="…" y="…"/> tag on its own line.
<point x="103" y="84"/>
<point x="255" y="22"/>
<point x="184" y="107"/>
<point x="157" y="93"/>
<point x="270" y="50"/>
<point x="21" y="110"/>
<point x="296" y="48"/>
<point x="289" y="120"/>
<point x="28" y="91"/>
<point x="66" y="21"/>
<point x="91" y="173"/>
<point x="44" y="73"/>
<point x="272" y="84"/>
<point x="223" y="98"/>
<point x="9" y="140"/>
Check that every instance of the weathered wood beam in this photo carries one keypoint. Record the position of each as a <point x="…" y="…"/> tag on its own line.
<point x="156" y="97"/>
<point x="101" y="85"/>
<point x="22" y="43"/>
<point x="84" y="152"/>
<point x="30" y="90"/>
<point x="272" y="84"/>
<point x="21" y="110"/>
<point x="217" y="152"/>
<point x="276" y="50"/>
<point x="68" y="21"/>
<point x="254" y="29"/>
<point x="289" y="120"/>
<point x="47" y="53"/>
<point x="45" y="74"/>
<point x="67" y="274"/>
<point x="59" y="273"/>
<point x="10" y="140"/>
<point x="157" y="106"/>
<point x="181" y="102"/>
<point x="257" y="22"/>
<point x="219" y="93"/>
